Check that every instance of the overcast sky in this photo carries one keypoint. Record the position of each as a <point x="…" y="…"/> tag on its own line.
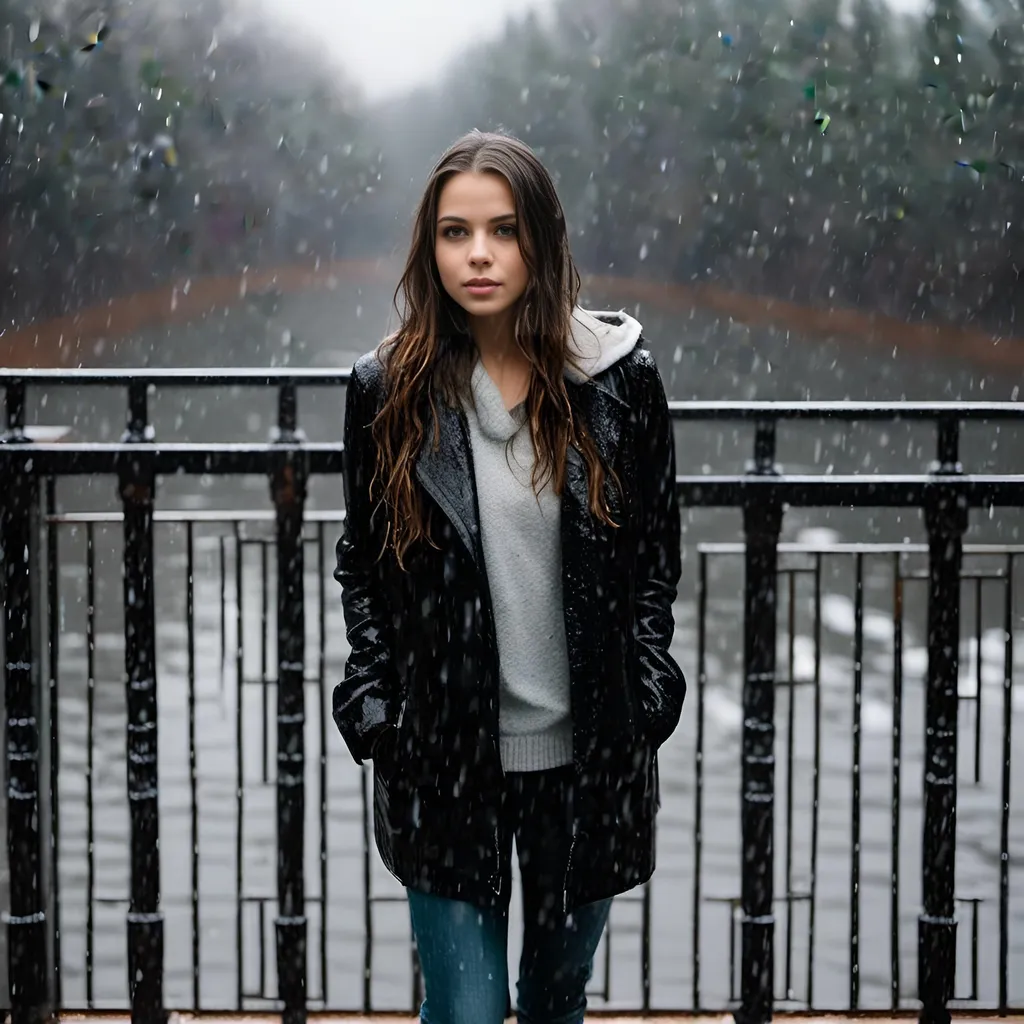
<point x="389" y="45"/>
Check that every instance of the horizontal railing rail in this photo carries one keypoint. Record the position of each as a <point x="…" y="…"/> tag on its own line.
<point x="706" y="410"/>
<point x="945" y="494"/>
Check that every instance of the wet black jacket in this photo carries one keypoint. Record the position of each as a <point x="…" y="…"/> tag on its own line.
<point x="420" y="693"/>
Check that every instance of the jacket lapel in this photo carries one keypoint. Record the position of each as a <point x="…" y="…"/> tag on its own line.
<point x="604" y="414"/>
<point x="446" y="473"/>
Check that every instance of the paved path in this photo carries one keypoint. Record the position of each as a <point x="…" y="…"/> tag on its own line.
<point x="69" y="340"/>
<point x="378" y="1018"/>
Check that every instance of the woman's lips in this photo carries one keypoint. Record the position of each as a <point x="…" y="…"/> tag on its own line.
<point x="481" y="289"/>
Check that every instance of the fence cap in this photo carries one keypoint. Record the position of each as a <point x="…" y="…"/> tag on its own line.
<point x="768" y="411"/>
<point x="253" y="376"/>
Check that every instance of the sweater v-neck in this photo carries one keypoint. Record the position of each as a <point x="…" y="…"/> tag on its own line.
<point x="497" y="422"/>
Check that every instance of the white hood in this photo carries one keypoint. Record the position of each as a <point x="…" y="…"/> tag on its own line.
<point x="595" y="343"/>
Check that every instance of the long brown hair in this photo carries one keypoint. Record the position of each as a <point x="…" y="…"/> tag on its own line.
<point x="431" y="354"/>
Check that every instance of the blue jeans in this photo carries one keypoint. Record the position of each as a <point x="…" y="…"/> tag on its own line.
<point x="463" y="949"/>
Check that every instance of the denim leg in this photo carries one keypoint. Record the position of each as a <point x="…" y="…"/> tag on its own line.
<point x="463" y="952"/>
<point x="558" y="949"/>
<point x="557" y="963"/>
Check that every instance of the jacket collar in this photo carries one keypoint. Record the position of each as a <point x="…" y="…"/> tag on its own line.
<point x="446" y="471"/>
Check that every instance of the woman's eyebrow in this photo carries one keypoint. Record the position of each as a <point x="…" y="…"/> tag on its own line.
<point x="462" y="220"/>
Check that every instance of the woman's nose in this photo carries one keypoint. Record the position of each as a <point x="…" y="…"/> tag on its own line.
<point x="480" y="252"/>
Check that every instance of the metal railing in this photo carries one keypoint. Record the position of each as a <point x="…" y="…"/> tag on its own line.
<point x="945" y="494"/>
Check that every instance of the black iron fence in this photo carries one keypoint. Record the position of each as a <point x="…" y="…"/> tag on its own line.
<point x="260" y="627"/>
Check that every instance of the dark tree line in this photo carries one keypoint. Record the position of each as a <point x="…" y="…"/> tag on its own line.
<point x="137" y="147"/>
<point x="781" y="146"/>
<point x="833" y="153"/>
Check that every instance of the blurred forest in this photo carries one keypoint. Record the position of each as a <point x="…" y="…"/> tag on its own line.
<point x="830" y="152"/>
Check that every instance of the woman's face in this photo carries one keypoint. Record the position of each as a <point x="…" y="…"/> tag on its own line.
<point x="476" y="245"/>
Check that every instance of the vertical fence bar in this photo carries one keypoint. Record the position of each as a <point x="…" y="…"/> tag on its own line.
<point x="855" y="813"/>
<point x="14" y="399"/>
<point x="193" y="765"/>
<point x="288" y="488"/>
<point x="223" y="577"/>
<point x="261" y="917"/>
<point x="144" y="919"/>
<point x="698" y="784"/>
<point x="1004" y="821"/>
<point x="790" y="576"/>
<point x="978" y="612"/>
<point x="948" y="445"/>
<point x="762" y="523"/>
<point x="27" y="948"/>
<point x="812" y="909"/>
<point x="239" y="762"/>
<point x="897" y="774"/>
<point x="735" y="912"/>
<point x="645" y="952"/>
<point x="264" y="549"/>
<point x="90" y="762"/>
<point x="366" y="847"/>
<point x="53" y="660"/>
<point x="972" y="996"/>
<point x="946" y="520"/>
<point x="321" y="676"/>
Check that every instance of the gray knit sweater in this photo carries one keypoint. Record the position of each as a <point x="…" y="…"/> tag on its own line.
<point x="521" y="539"/>
<point x="521" y="536"/>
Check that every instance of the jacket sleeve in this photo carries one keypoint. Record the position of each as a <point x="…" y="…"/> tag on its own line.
<point x="658" y="568"/>
<point x="365" y="704"/>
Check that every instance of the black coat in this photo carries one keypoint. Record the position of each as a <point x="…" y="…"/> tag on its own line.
<point x="420" y="693"/>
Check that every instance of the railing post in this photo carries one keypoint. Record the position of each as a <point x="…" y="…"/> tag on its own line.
<point x="762" y="524"/>
<point x="288" y="490"/>
<point x="946" y="520"/>
<point x="137" y="483"/>
<point x="29" y="967"/>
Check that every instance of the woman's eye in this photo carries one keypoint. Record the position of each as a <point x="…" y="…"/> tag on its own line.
<point x="455" y="231"/>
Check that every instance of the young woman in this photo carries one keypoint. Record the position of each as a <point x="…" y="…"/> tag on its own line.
<point x="508" y="566"/>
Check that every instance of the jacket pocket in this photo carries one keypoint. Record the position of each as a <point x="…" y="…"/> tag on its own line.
<point x="385" y="753"/>
<point x="654" y="782"/>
